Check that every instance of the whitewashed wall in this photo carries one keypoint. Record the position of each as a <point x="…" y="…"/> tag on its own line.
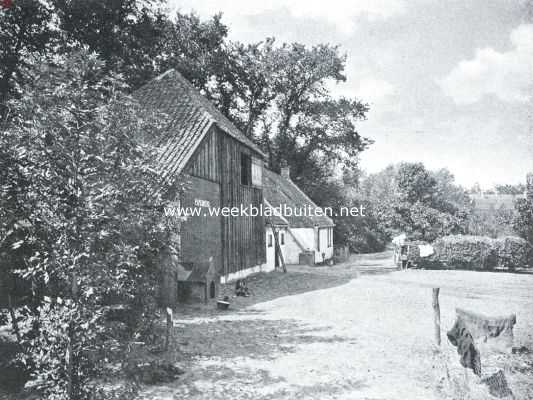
<point x="291" y="250"/>
<point x="324" y="248"/>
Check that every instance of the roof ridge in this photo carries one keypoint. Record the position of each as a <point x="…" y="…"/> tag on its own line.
<point x="208" y="109"/>
<point x="278" y="189"/>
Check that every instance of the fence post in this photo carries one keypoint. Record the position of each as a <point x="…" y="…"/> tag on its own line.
<point x="436" y="314"/>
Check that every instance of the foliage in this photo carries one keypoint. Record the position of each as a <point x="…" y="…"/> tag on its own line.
<point x="510" y="189"/>
<point x="481" y="252"/>
<point x="25" y="28"/>
<point x="523" y="223"/>
<point x="276" y="94"/>
<point x="494" y="222"/>
<point x="421" y="203"/>
<point x="126" y="34"/>
<point x="58" y="346"/>
<point x="466" y="252"/>
<point x="80" y="209"/>
<point x="512" y="252"/>
<point x="421" y="222"/>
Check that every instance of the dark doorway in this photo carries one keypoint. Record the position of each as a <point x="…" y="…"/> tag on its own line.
<point x="212" y="290"/>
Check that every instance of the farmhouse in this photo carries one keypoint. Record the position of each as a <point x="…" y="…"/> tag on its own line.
<point x="303" y="238"/>
<point x="222" y="168"/>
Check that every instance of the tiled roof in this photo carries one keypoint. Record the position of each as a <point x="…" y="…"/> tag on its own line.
<point x="190" y="116"/>
<point x="276" y="220"/>
<point x="279" y="191"/>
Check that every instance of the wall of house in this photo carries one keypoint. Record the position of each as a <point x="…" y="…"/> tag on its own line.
<point x="285" y="248"/>
<point x="269" y="250"/>
<point x="214" y="176"/>
<point x="201" y="235"/>
<point x="292" y="248"/>
<point x="325" y="246"/>
<point x="243" y="237"/>
<point x="307" y="237"/>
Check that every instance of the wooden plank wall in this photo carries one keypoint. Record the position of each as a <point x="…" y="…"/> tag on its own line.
<point x="205" y="163"/>
<point x="243" y="237"/>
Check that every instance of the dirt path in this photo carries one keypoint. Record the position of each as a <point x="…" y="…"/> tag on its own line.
<point x="369" y="338"/>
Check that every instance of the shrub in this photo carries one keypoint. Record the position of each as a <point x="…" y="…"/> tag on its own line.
<point x="480" y="252"/>
<point x="512" y="252"/>
<point x="466" y="252"/>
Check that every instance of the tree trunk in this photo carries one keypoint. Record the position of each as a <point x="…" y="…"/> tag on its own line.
<point x="14" y="322"/>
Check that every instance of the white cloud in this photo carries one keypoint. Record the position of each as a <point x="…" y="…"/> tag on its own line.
<point x="507" y="75"/>
<point x="338" y="12"/>
<point x="374" y="90"/>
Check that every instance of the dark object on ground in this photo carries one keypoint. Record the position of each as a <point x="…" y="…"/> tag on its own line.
<point x="241" y="288"/>
<point x="460" y="337"/>
<point x="482" y="326"/>
<point x="198" y="281"/>
<point x="153" y="372"/>
<point x="521" y="350"/>
<point x="498" y="386"/>
<point x="307" y="257"/>
<point x="223" y="304"/>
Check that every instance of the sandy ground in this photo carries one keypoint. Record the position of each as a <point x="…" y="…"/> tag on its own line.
<point x="368" y="338"/>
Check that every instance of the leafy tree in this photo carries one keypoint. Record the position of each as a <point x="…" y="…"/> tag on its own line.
<point x="126" y="34"/>
<point x="449" y="196"/>
<point x="510" y="189"/>
<point x="193" y="47"/>
<point x="494" y="222"/>
<point x="416" y="183"/>
<point x="80" y="212"/>
<point x="25" y="28"/>
<point x="424" y="204"/>
<point x="277" y="95"/>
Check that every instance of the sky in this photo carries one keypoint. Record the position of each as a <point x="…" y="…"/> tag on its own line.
<point x="449" y="82"/>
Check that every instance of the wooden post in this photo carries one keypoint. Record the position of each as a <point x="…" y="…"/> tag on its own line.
<point x="170" y="325"/>
<point x="436" y="314"/>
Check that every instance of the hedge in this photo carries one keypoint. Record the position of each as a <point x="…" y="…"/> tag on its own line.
<point x="512" y="252"/>
<point x="480" y="252"/>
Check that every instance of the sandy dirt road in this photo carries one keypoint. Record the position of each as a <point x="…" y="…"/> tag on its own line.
<point x="371" y="338"/>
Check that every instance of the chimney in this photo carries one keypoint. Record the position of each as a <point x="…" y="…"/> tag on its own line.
<point x="529" y="186"/>
<point x="285" y="171"/>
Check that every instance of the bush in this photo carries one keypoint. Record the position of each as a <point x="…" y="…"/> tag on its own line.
<point x="512" y="252"/>
<point x="480" y="252"/>
<point x="466" y="252"/>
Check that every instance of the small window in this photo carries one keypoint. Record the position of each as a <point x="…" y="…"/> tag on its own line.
<point x="282" y="236"/>
<point x="257" y="172"/>
<point x="246" y="169"/>
<point x="269" y="240"/>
